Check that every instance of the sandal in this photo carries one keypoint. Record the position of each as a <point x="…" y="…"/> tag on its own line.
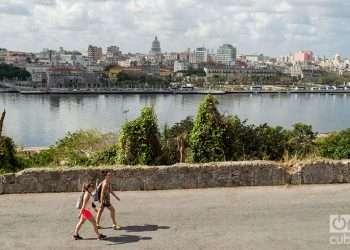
<point x="77" y="237"/>
<point x="101" y="237"/>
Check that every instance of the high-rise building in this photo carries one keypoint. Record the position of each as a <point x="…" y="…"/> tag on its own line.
<point x="113" y="50"/>
<point x="3" y="53"/>
<point x="94" y="53"/>
<point x="226" y="54"/>
<point x="155" y="50"/>
<point x="201" y="55"/>
<point x="112" y="55"/>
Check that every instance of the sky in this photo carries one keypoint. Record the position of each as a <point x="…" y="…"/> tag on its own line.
<point x="272" y="27"/>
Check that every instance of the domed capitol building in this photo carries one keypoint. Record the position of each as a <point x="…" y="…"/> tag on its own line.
<point x="155" y="50"/>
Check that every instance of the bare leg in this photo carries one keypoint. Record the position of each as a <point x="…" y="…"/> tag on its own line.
<point x="93" y="222"/>
<point x="112" y="210"/>
<point x="99" y="213"/>
<point x="78" y="226"/>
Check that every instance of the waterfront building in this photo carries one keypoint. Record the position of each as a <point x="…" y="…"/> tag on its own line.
<point x="236" y="73"/>
<point x="201" y="55"/>
<point x="72" y="78"/>
<point x="226" y="54"/>
<point x="64" y="77"/>
<point x="94" y="53"/>
<point x="38" y="74"/>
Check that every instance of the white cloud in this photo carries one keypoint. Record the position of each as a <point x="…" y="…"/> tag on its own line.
<point x="269" y="26"/>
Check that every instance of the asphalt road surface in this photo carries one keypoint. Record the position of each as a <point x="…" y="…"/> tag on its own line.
<point x="287" y="217"/>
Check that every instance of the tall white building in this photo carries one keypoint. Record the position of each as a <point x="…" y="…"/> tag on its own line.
<point x="226" y="54"/>
<point x="201" y="55"/>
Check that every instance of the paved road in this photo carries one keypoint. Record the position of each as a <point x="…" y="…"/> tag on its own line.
<point x="236" y="218"/>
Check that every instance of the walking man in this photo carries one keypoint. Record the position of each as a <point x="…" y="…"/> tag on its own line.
<point x="105" y="200"/>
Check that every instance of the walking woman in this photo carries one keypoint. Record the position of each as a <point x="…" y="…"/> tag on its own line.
<point x="85" y="212"/>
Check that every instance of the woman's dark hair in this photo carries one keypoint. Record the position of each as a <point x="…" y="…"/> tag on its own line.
<point x="86" y="186"/>
<point x="105" y="172"/>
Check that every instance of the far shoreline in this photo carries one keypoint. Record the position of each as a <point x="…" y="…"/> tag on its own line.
<point x="171" y="92"/>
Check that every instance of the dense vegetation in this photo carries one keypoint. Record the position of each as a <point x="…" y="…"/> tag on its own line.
<point x="79" y="148"/>
<point x="334" y="79"/>
<point x="211" y="136"/>
<point x="335" y="146"/>
<point x="11" y="72"/>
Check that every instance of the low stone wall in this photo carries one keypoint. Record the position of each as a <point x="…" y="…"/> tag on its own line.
<point x="182" y="176"/>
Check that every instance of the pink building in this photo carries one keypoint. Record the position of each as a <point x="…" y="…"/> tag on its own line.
<point x="304" y="56"/>
<point x="17" y="58"/>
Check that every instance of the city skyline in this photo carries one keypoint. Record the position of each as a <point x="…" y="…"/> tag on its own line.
<point x="270" y="27"/>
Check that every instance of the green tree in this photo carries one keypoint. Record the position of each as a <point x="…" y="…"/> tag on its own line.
<point x="301" y="140"/>
<point x="208" y="133"/>
<point x="11" y="72"/>
<point x="139" y="140"/>
<point x="169" y="140"/>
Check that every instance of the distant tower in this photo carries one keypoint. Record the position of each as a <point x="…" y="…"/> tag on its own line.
<point x="155" y="50"/>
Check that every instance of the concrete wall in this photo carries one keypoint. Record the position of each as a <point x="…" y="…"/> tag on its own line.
<point x="227" y="174"/>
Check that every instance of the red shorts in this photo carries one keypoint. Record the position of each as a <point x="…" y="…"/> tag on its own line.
<point x="87" y="214"/>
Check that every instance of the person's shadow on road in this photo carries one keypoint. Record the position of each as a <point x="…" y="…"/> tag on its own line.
<point x="124" y="239"/>
<point x="144" y="228"/>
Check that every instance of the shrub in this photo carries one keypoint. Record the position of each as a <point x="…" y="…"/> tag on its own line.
<point x="335" y="146"/>
<point x="139" y="140"/>
<point x="271" y="141"/>
<point x="208" y="133"/>
<point x="105" y="157"/>
<point x="8" y="159"/>
<point x="43" y="158"/>
<point x="76" y="148"/>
